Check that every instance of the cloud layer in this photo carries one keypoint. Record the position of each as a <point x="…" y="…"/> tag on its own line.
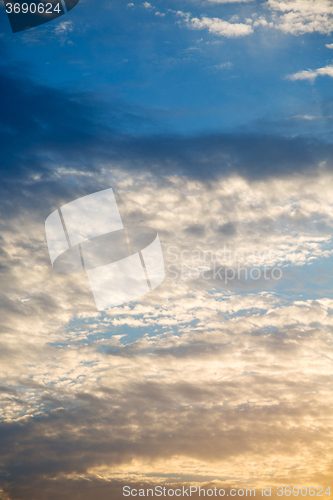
<point x="193" y="383"/>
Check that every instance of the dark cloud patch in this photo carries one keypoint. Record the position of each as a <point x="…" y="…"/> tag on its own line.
<point x="196" y="230"/>
<point x="43" y="128"/>
<point x="228" y="229"/>
<point x="41" y="125"/>
<point x="8" y="390"/>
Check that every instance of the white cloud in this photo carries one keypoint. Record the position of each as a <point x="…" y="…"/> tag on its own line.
<point x="59" y="32"/>
<point x="308" y="117"/>
<point x="261" y="21"/>
<point x="201" y="360"/>
<point x="230" y="1"/>
<point x="311" y="75"/>
<point x="303" y="16"/>
<point x="290" y="16"/>
<point x="226" y="65"/>
<point x="63" y="28"/>
<point x="329" y="45"/>
<point x="148" y="5"/>
<point x="218" y="26"/>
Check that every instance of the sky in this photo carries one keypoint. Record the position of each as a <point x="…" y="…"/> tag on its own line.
<point x="212" y="122"/>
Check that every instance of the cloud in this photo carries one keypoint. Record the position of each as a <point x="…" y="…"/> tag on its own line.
<point x="99" y="400"/>
<point x="63" y="28"/>
<point x="148" y="5"/>
<point x="311" y="75"/>
<point x="303" y="16"/>
<point x="61" y="131"/>
<point x="219" y="26"/>
<point x="226" y="65"/>
<point x="297" y="17"/>
<point x="69" y="129"/>
<point x="230" y="1"/>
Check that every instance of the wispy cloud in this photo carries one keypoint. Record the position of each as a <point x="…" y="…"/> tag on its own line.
<point x="225" y="65"/>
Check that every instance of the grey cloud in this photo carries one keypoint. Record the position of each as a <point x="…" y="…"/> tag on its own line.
<point x="227" y="229"/>
<point x="70" y="129"/>
<point x="196" y="230"/>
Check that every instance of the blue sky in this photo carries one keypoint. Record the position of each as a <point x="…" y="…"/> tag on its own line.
<point x="211" y="121"/>
<point x="179" y="78"/>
